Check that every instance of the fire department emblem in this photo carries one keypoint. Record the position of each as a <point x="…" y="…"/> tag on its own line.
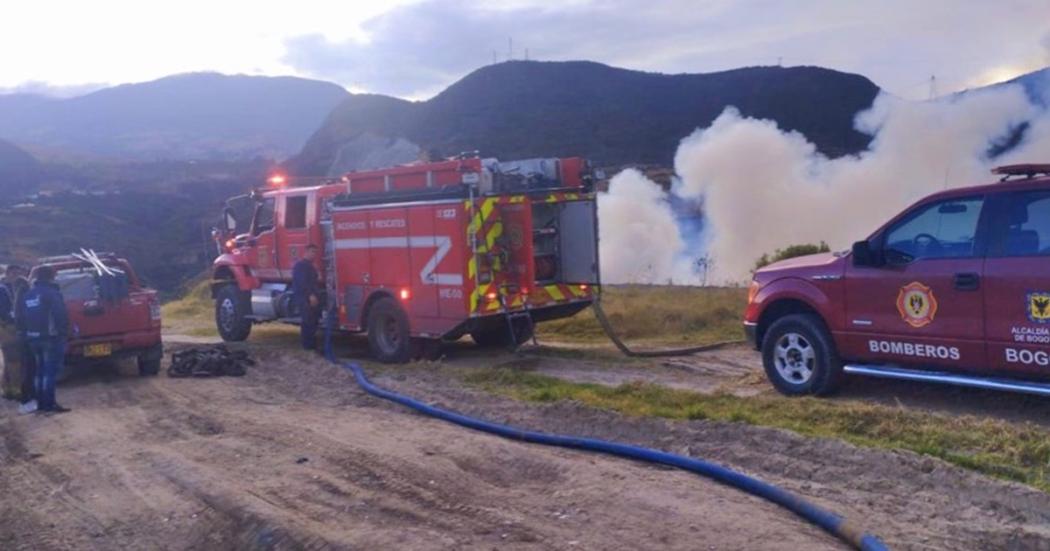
<point x="1039" y="306"/>
<point x="916" y="304"/>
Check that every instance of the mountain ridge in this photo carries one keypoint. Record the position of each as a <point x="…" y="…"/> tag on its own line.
<point x="186" y="116"/>
<point x="521" y="109"/>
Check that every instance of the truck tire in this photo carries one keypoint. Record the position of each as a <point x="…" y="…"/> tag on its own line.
<point x="149" y="361"/>
<point x="499" y="334"/>
<point x="799" y="356"/>
<point x="232" y="306"/>
<point x="388" y="333"/>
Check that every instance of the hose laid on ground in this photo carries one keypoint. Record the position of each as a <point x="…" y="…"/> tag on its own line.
<point x="607" y="327"/>
<point x="834" y="524"/>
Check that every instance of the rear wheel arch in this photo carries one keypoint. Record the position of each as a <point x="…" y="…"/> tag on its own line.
<point x="372" y="299"/>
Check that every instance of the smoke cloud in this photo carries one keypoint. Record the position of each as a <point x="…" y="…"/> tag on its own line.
<point x="639" y="241"/>
<point x="763" y="188"/>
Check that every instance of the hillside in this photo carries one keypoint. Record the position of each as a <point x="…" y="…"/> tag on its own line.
<point x="522" y="109"/>
<point x="20" y="172"/>
<point x="190" y="116"/>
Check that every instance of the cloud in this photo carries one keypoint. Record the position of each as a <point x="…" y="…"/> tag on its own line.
<point x="416" y="50"/>
<point x="52" y="90"/>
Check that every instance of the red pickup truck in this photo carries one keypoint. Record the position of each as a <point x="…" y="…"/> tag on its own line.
<point x="955" y="289"/>
<point x="108" y="323"/>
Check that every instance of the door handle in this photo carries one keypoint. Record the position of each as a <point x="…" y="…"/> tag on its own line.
<point x="967" y="281"/>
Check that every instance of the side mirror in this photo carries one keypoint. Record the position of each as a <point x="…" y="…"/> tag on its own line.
<point x="229" y="221"/>
<point x="863" y="255"/>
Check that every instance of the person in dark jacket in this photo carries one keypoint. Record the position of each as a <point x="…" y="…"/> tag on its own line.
<point x="305" y="294"/>
<point x="44" y="323"/>
<point x="7" y="300"/>
<point x="17" y="286"/>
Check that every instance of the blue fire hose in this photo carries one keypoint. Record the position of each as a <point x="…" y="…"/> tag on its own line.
<point x="832" y="523"/>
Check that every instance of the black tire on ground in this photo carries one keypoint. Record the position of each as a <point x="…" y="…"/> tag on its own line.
<point x="149" y="361"/>
<point x="231" y="308"/>
<point x="388" y="333"/>
<point x="799" y="356"/>
<point x="499" y="334"/>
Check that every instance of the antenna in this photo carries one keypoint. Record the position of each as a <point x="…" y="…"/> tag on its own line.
<point x="526" y="54"/>
<point x="933" y="87"/>
<point x="495" y="57"/>
<point x="780" y="62"/>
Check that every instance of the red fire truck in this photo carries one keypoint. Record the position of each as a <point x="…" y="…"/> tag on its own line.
<point x="417" y="254"/>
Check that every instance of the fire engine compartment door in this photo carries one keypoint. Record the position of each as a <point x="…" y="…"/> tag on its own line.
<point x="516" y="241"/>
<point x="578" y="242"/>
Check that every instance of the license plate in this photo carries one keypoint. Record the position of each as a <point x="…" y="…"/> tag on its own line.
<point x="98" y="350"/>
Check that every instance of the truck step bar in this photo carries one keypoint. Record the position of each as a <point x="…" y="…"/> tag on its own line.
<point x="971" y="381"/>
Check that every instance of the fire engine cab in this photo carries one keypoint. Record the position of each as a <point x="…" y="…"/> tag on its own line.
<point x="417" y="254"/>
<point x="955" y="289"/>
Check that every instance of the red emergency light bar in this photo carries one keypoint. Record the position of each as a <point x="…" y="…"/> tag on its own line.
<point x="1027" y="170"/>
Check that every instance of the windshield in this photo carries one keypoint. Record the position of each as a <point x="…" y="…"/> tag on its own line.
<point x="243" y="208"/>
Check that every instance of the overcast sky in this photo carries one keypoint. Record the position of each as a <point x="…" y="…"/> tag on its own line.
<point x="413" y="48"/>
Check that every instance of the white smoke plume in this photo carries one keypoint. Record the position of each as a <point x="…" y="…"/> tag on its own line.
<point x="763" y="188"/>
<point x="639" y="241"/>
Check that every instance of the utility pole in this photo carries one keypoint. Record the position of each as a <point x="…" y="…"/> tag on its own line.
<point x="495" y="59"/>
<point x="510" y="48"/>
<point x="933" y="87"/>
<point x="526" y="54"/>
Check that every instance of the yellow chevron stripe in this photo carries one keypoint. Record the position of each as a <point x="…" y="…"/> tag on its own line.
<point x="554" y="292"/>
<point x="472" y="267"/>
<point x="494" y="233"/>
<point x="487" y="207"/>
<point x="575" y="290"/>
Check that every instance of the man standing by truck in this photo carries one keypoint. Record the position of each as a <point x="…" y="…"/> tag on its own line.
<point x="305" y="294"/>
<point x="10" y="347"/>
<point x="18" y="369"/>
<point x="43" y="321"/>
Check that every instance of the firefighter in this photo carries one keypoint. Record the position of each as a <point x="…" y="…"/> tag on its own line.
<point x="18" y="369"/>
<point x="44" y="323"/>
<point x="305" y="294"/>
<point x="10" y="381"/>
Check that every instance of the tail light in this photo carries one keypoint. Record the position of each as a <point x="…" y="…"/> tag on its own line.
<point x="405" y="293"/>
<point x="154" y="309"/>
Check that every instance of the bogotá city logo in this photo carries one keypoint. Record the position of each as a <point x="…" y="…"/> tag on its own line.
<point x="916" y="304"/>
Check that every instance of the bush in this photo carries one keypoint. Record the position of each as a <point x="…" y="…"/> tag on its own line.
<point x="791" y="252"/>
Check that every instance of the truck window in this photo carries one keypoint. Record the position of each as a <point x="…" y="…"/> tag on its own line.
<point x="1028" y="224"/>
<point x="295" y="212"/>
<point x="944" y="229"/>
<point x="264" y="217"/>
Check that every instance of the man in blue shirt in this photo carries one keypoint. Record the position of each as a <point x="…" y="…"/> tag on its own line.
<point x="44" y="323"/>
<point x="306" y="296"/>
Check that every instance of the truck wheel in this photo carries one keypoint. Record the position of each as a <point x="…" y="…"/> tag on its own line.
<point x="499" y="334"/>
<point x="231" y="308"/>
<point x="149" y="361"/>
<point x="388" y="334"/>
<point x="800" y="357"/>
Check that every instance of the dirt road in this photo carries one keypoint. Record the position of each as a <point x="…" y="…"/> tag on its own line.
<point x="295" y="456"/>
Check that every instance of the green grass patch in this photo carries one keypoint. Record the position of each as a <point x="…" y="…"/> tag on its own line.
<point x="1010" y="451"/>
<point x="658" y="314"/>
<point x="195" y="304"/>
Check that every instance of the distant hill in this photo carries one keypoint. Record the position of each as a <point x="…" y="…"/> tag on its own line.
<point x="189" y="116"/>
<point x="1036" y="84"/>
<point x="20" y="173"/>
<point x="523" y="109"/>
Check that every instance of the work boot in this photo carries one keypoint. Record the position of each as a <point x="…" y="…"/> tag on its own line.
<point x="59" y="409"/>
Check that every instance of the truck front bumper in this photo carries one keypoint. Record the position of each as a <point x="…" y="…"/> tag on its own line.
<point x="751" y="334"/>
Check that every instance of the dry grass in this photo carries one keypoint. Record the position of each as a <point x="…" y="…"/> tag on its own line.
<point x="1019" y="452"/>
<point x="658" y="315"/>
<point x="195" y="304"/>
